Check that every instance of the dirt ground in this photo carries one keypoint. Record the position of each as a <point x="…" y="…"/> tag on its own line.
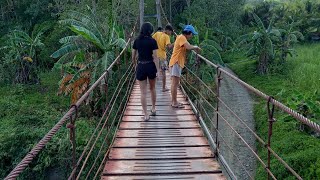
<point x="238" y="99"/>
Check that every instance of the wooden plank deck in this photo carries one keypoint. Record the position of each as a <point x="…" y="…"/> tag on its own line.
<point x="170" y="145"/>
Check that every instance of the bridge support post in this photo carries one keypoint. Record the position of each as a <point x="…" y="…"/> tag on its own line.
<point x="170" y="7"/>
<point x="271" y="120"/>
<point x="72" y="128"/>
<point x="141" y="8"/>
<point x="158" y="13"/>
<point x="218" y="81"/>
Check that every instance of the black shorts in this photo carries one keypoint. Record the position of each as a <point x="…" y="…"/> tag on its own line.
<point x="145" y="71"/>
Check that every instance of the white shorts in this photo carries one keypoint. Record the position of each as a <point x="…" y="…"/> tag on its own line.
<point x="175" y="70"/>
<point x="163" y="64"/>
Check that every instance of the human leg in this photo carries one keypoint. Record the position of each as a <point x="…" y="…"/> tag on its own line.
<point x="143" y="98"/>
<point x="175" y="81"/>
<point x="157" y="63"/>
<point x="152" y="83"/>
<point x="163" y="68"/>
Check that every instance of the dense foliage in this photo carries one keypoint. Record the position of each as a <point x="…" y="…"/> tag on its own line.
<point x="29" y="104"/>
<point x="82" y="37"/>
<point x="88" y="53"/>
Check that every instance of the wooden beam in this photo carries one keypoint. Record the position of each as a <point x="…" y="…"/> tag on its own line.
<point x="151" y="16"/>
<point x="158" y="13"/>
<point x="141" y="7"/>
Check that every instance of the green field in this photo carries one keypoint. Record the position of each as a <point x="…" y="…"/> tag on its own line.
<point x="297" y="86"/>
<point x="27" y="113"/>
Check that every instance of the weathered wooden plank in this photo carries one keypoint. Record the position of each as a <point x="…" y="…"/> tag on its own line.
<point x="182" y="100"/>
<point x="160" y="153"/>
<point x="136" y="133"/>
<point x="160" y="142"/>
<point x="143" y="167"/>
<point x="159" y="125"/>
<point x="160" y="118"/>
<point x="160" y="108"/>
<point x="161" y="103"/>
<point x="207" y="176"/>
<point x="171" y="112"/>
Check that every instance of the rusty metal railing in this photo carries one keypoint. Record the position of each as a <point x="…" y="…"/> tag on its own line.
<point x="203" y="104"/>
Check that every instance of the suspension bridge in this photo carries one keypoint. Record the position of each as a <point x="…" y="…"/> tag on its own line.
<point x="188" y="143"/>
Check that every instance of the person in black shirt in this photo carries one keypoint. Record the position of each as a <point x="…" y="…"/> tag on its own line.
<point x="145" y="47"/>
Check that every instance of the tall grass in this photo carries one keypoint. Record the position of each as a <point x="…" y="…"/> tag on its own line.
<point x="305" y="73"/>
<point x="295" y="87"/>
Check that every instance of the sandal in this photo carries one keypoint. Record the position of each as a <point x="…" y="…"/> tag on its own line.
<point x="165" y="90"/>
<point x="179" y="105"/>
<point x="153" y="113"/>
<point x="146" y="119"/>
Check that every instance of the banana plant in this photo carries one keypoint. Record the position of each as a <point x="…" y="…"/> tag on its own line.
<point x="289" y="37"/>
<point x="21" y="53"/>
<point x="211" y="49"/>
<point x="89" y="51"/>
<point x="261" y="44"/>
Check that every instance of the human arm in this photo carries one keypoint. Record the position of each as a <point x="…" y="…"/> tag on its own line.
<point x="154" y="51"/>
<point x="154" y="55"/>
<point x="169" y="46"/>
<point x="188" y="46"/>
<point x="134" y="56"/>
<point x="168" y="43"/>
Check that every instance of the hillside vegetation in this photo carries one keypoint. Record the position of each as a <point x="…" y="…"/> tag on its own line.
<point x="51" y="51"/>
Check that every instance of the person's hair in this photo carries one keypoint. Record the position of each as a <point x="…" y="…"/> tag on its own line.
<point x="186" y="32"/>
<point x="159" y="29"/>
<point x="146" y="30"/>
<point x="169" y="27"/>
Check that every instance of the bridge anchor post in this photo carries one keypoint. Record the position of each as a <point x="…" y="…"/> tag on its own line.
<point x="71" y="126"/>
<point x="218" y="82"/>
<point x="271" y="120"/>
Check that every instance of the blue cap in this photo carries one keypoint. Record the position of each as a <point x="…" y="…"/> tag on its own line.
<point x="191" y="29"/>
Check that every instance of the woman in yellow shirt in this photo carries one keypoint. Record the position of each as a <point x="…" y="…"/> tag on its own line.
<point x="178" y="59"/>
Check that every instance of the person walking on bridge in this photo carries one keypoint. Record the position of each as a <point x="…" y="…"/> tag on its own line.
<point x="145" y="48"/>
<point x="178" y="59"/>
<point x="163" y="41"/>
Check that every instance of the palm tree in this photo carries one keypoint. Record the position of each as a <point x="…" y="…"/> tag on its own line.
<point x="89" y="51"/>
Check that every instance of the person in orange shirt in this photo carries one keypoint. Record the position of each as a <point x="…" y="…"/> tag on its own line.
<point x="163" y="41"/>
<point x="178" y="59"/>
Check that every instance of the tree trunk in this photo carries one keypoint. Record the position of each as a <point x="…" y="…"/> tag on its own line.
<point x="263" y="63"/>
<point x="94" y="6"/>
<point x="2" y="13"/>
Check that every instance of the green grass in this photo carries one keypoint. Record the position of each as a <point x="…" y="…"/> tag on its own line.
<point x="297" y="87"/>
<point x="305" y="73"/>
<point x="27" y="113"/>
